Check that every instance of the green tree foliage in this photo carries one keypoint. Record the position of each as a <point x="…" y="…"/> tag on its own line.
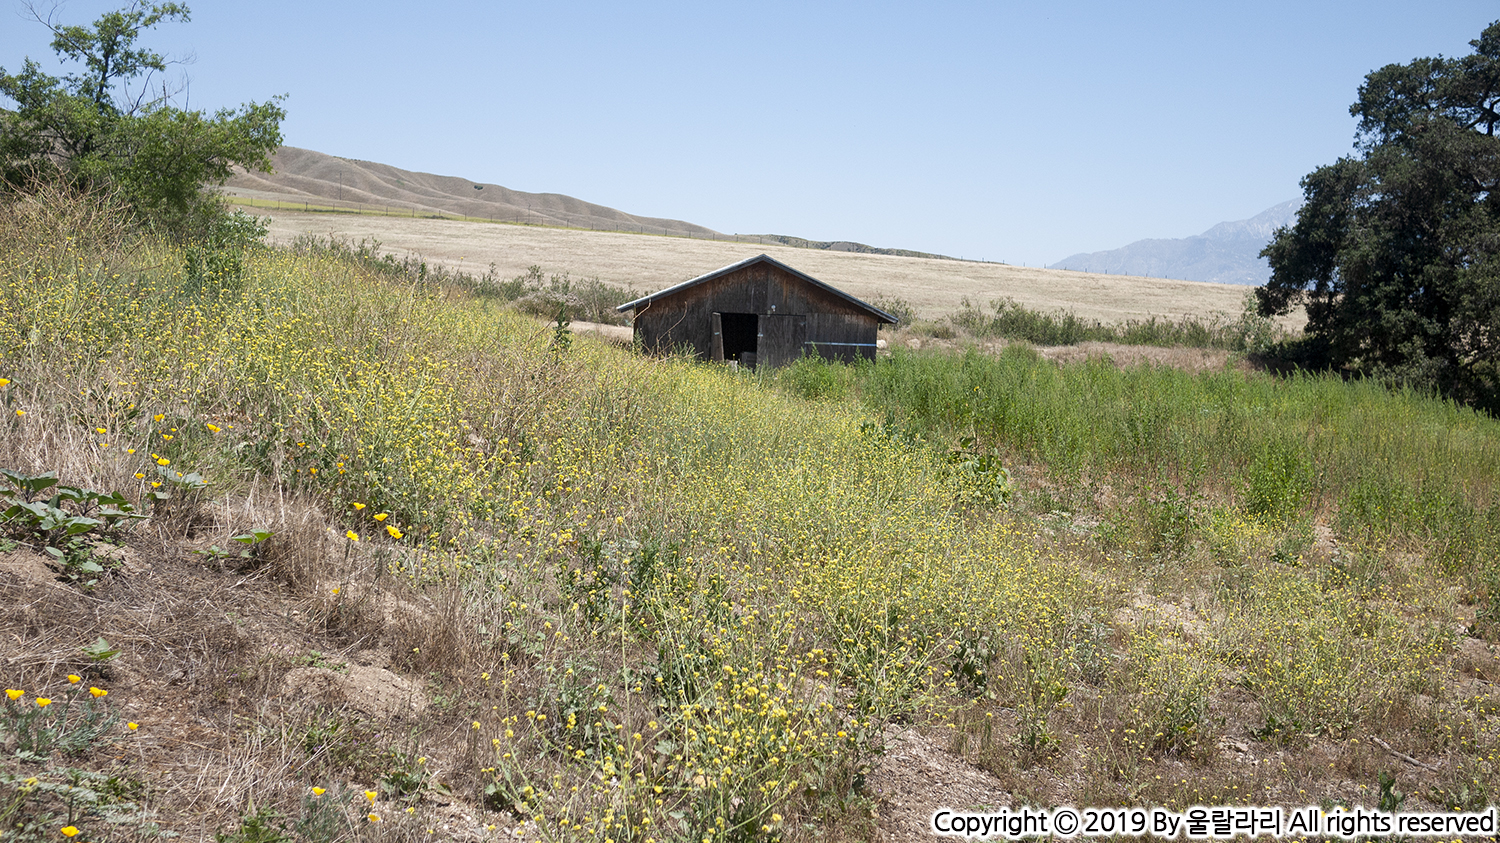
<point x="1396" y="252"/>
<point x="102" y="128"/>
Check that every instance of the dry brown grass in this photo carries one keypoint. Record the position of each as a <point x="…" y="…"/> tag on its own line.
<point x="208" y="643"/>
<point x="305" y="176"/>
<point x="215" y="662"/>
<point x="934" y="287"/>
<point x="47" y="219"/>
<point x="1186" y="359"/>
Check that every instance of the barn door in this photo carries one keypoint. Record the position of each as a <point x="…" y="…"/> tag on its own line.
<point x="716" y="349"/>
<point x="781" y="338"/>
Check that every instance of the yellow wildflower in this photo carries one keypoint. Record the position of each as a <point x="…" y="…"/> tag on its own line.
<point x="163" y="461"/>
<point x="318" y="791"/>
<point x="132" y="725"/>
<point x="382" y="516"/>
<point x="213" y="428"/>
<point x="98" y="692"/>
<point x="14" y="693"/>
<point x="70" y="831"/>
<point x="74" y="679"/>
<point x="43" y="702"/>
<point x="395" y="533"/>
<point x="352" y="536"/>
<point x="357" y="506"/>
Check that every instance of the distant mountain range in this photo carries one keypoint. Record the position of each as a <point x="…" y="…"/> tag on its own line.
<point x="302" y="178"/>
<point x="1228" y="253"/>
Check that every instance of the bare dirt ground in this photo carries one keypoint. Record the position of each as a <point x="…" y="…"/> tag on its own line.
<point x="917" y="776"/>
<point x="647" y="263"/>
<point x="620" y="334"/>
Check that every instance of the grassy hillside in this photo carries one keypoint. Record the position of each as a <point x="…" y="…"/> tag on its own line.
<point x="325" y="182"/>
<point x="302" y="178"/>
<point x="411" y="564"/>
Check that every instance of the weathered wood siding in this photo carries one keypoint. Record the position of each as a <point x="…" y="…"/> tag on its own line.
<point x="796" y="318"/>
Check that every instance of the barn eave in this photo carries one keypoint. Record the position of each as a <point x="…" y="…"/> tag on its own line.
<point x="877" y="313"/>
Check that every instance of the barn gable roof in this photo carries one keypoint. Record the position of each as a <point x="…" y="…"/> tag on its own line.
<point x="880" y="315"/>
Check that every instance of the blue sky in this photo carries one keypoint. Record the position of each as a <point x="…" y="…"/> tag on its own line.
<point x="1021" y="132"/>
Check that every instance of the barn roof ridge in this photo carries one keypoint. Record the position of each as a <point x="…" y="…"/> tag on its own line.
<point x="761" y="258"/>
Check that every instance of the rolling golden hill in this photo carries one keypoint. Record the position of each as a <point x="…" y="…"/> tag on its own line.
<point x="411" y="214"/>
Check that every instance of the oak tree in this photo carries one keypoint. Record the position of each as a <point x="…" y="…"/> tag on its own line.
<point x="1396" y="251"/>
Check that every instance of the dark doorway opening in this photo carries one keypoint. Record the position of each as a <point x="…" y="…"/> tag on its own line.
<point x="740" y="336"/>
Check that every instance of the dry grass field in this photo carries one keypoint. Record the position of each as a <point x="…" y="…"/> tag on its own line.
<point x="935" y="287"/>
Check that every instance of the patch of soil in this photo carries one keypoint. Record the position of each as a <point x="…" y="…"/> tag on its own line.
<point x="26" y="566"/>
<point x="916" y="777"/>
<point x="1477" y="659"/>
<point x="621" y="334"/>
<point x="375" y="691"/>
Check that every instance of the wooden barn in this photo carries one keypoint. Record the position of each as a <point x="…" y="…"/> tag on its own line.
<point x="758" y="312"/>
